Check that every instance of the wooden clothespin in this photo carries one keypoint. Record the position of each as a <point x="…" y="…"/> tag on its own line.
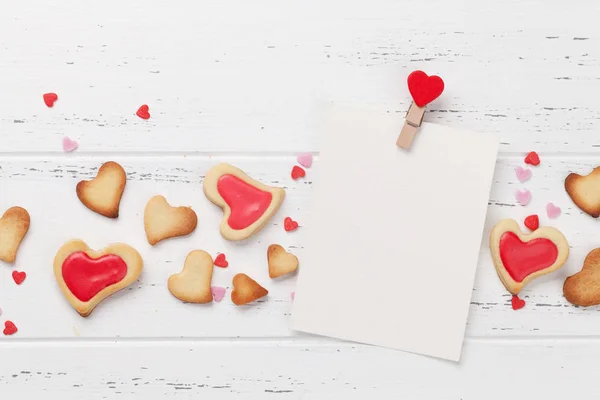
<point x="423" y="89"/>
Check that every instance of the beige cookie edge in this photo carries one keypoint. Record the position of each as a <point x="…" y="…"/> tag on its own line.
<point x="570" y="182"/>
<point x="570" y="290"/>
<point x="242" y="296"/>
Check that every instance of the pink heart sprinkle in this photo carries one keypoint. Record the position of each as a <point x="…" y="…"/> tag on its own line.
<point x="552" y="211"/>
<point x="292" y="295"/>
<point x="305" y="160"/>
<point x="218" y="292"/>
<point x="69" y="145"/>
<point x="523" y="174"/>
<point x="523" y="196"/>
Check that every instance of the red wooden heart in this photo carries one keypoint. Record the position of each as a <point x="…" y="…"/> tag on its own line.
<point x="9" y="328"/>
<point x="19" y="277"/>
<point x="86" y="277"/>
<point x="50" y="98"/>
<point x="289" y="224"/>
<point x="142" y="112"/>
<point x="532" y="158"/>
<point x="532" y="222"/>
<point x="221" y="261"/>
<point x="298" y="172"/>
<point x="521" y="259"/>
<point x="423" y="88"/>
<point x="247" y="203"/>
<point x="517" y="303"/>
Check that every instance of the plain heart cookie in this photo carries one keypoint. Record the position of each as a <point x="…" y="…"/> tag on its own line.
<point x="192" y="284"/>
<point x="161" y="221"/>
<point x="583" y="288"/>
<point x="103" y="193"/>
<point x="246" y="290"/>
<point x="585" y="191"/>
<point x="280" y="261"/>
<point x="247" y="204"/>
<point x="86" y="277"/>
<point x="14" y="225"/>
<point x="520" y="257"/>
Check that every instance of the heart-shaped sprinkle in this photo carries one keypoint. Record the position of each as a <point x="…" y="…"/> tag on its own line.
<point x="523" y="196"/>
<point x="292" y="295"/>
<point x="218" y="293"/>
<point x="50" y="98"/>
<point x="305" y="160"/>
<point x="298" y="172"/>
<point x="19" y="277"/>
<point x="289" y="224"/>
<point x="517" y="303"/>
<point x="532" y="158"/>
<point x="523" y="174"/>
<point x="142" y="112"/>
<point x="552" y="211"/>
<point x="220" y="261"/>
<point x="532" y="222"/>
<point x="423" y="88"/>
<point x="10" y="328"/>
<point x="69" y="145"/>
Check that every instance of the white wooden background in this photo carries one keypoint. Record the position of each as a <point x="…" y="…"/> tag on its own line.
<point x="243" y="81"/>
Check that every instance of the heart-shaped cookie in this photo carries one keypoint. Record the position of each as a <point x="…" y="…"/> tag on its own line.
<point x="103" y="193"/>
<point x="247" y="204"/>
<point x="86" y="277"/>
<point x="583" y="288"/>
<point x="520" y="257"/>
<point x="585" y="191"/>
<point x="280" y="261"/>
<point x="14" y="225"/>
<point x="246" y="290"/>
<point x="161" y="221"/>
<point x="192" y="284"/>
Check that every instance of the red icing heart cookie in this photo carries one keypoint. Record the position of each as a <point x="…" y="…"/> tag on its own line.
<point x="520" y="257"/>
<point x="423" y="88"/>
<point x="86" y="277"/>
<point x="247" y="204"/>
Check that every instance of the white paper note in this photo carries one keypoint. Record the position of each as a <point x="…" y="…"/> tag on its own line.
<point x="394" y="235"/>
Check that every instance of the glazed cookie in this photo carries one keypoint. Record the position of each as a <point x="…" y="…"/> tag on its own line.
<point x="103" y="193"/>
<point x="14" y="225"/>
<point x="247" y="204"/>
<point x="583" y="288"/>
<point x="585" y="191"/>
<point x="280" y="261"/>
<point x="193" y="283"/>
<point x="161" y="221"/>
<point x="246" y="290"/>
<point x="86" y="277"/>
<point x="520" y="257"/>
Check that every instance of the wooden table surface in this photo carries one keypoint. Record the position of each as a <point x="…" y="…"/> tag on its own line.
<point x="243" y="82"/>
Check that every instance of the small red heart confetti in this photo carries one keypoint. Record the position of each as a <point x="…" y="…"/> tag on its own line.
<point x="532" y="158"/>
<point x="289" y="224"/>
<point x="19" y="277"/>
<point x="50" y="98"/>
<point x="142" y="112"/>
<point x="298" y="172"/>
<point x="220" y="261"/>
<point x="10" y="328"/>
<point x="517" y="303"/>
<point x="423" y="88"/>
<point x="532" y="222"/>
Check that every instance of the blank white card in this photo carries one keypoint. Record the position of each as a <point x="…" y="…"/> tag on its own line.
<point x="394" y="235"/>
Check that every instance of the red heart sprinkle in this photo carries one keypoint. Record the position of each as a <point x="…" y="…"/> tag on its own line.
<point x="423" y="88"/>
<point x="10" y="328"/>
<point x="532" y="222"/>
<point x="532" y="158"/>
<point x="298" y="172"/>
<point x="517" y="303"/>
<point x="19" y="277"/>
<point x="289" y="224"/>
<point x="220" y="261"/>
<point x="142" y="112"/>
<point x="50" y="98"/>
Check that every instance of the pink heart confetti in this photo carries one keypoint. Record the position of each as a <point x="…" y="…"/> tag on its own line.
<point x="523" y="174"/>
<point x="552" y="211"/>
<point x="69" y="145"/>
<point x="218" y="292"/>
<point x="305" y="160"/>
<point x="523" y="196"/>
<point x="292" y="295"/>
